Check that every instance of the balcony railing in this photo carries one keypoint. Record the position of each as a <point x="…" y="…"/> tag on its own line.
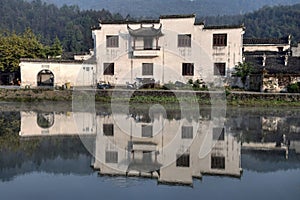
<point x="141" y="51"/>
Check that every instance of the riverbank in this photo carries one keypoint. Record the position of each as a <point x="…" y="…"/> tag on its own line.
<point x="235" y="98"/>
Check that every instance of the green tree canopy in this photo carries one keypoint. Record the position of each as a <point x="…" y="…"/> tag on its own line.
<point x="14" y="46"/>
<point x="243" y="70"/>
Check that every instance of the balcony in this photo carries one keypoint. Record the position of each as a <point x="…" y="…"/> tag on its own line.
<point x="146" y="52"/>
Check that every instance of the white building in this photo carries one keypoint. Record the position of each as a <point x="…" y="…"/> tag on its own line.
<point x="56" y="72"/>
<point x="173" y="48"/>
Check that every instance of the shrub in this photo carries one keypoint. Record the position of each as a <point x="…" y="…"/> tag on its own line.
<point x="294" y="87"/>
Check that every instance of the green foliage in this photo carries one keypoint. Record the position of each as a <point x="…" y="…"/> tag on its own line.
<point x="243" y="70"/>
<point x="14" y="46"/>
<point x="69" y="24"/>
<point x="294" y="88"/>
<point x="267" y="22"/>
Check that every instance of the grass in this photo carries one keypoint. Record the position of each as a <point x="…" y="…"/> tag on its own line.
<point x="232" y="99"/>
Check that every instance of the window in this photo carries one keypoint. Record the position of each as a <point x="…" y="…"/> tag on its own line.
<point x="218" y="133"/>
<point x="184" y="40"/>
<point x="112" y="41"/>
<point x="220" y="40"/>
<point x="147" y="69"/>
<point x="219" y="69"/>
<point x="111" y="157"/>
<point x="108" y="129"/>
<point x="187" y="132"/>
<point x="108" y="68"/>
<point x="183" y="160"/>
<point x="217" y="162"/>
<point x="148" y="43"/>
<point x="147" y="131"/>
<point x="187" y="69"/>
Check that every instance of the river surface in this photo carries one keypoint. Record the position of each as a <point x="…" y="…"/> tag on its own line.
<point x="60" y="151"/>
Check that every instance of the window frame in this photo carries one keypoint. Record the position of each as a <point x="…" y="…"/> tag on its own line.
<point x="109" y="69"/>
<point x="146" y="129"/>
<point x="217" y="71"/>
<point x="108" y="129"/>
<point x="147" y="69"/>
<point x="184" y="40"/>
<point x="183" y="160"/>
<point x="220" y="40"/>
<point x="187" y="132"/>
<point x="112" y="41"/>
<point x="188" y="69"/>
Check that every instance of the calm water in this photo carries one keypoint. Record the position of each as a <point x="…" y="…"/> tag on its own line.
<point x="53" y="151"/>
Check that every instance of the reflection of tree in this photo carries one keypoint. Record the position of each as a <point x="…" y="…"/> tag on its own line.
<point x="45" y="120"/>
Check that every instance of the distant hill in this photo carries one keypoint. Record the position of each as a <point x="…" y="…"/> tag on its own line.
<point x="154" y="8"/>
<point x="267" y="22"/>
<point x="73" y="26"/>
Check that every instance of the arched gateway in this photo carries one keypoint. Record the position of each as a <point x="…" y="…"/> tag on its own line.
<point x="45" y="78"/>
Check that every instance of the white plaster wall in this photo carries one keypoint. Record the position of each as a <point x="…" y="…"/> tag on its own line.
<point x="168" y="65"/>
<point x="251" y="48"/>
<point x="64" y="72"/>
<point x="64" y="124"/>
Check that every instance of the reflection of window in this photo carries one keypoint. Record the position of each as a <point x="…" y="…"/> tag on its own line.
<point x="112" y="41"/>
<point x="184" y="40"/>
<point x="218" y="133"/>
<point x="108" y="129"/>
<point x="147" y="157"/>
<point x="219" y="69"/>
<point x="183" y="160"/>
<point x="217" y="162"/>
<point x="147" y="69"/>
<point x="108" y="68"/>
<point x="147" y="131"/>
<point x="111" y="157"/>
<point x="220" y="40"/>
<point x="187" y="132"/>
<point x="45" y="120"/>
<point x="187" y="69"/>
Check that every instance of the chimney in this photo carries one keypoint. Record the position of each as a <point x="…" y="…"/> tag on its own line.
<point x="286" y="59"/>
<point x="264" y="60"/>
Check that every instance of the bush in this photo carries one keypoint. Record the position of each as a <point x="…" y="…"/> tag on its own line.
<point x="294" y="88"/>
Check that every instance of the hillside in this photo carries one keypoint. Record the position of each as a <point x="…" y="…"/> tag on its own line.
<point x="73" y="26"/>
<point x="154" y="8"/>
<point x="277" y="21"/>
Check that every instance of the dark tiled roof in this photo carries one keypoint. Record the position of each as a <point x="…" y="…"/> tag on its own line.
<point x="274" y="64"/>
<point x="177" y="16"/>
<point x="249" y="41"/>
<point x="225" y="27"/>
<point x="145" y="31"/>
<point x="131" y="22"/>
<point x="51" y="60"/>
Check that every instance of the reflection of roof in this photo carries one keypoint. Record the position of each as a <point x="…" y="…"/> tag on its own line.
<point x="251" y="41"/>
<point x="145" y="31"/>
<point x="141" y="166"/>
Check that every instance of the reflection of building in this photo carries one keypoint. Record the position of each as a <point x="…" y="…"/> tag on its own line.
<point x="174" y="151"/>
<point x="51" y="123"/>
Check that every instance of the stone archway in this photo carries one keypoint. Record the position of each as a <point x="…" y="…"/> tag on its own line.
<point x="45" y="78"/>
<point x="45" y="120"/>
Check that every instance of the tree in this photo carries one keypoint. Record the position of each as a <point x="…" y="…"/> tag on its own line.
<point x="14" y="46"/>
<point x="56" y="49"/>
<point x="243" y="70"/>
